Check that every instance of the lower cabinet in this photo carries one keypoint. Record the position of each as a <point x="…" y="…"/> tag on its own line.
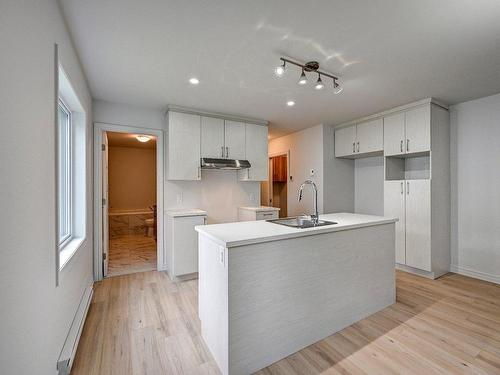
<point x="410" y="202"/>
<point x="182" y="242"/>
<point x="258" y="213"/>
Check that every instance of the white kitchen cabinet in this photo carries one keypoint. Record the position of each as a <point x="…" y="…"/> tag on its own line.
<point x="370" y="136"/>
<point x="345" y="141"/>
<point x="182" y="241"/>
<point x="234" y="139"/>
<point x="212" y="137"/>
<point x="394" y="134"/>
<point x="417" y="154"/>
<point x="408" y="132"/>
<point x="256" y="150"/>
<point x="361" y="140"/>
<point x="183" y="146"/>
<point x="394" y="206"/>
<point x="418" y="224"/>
<point x="418" y="133"/>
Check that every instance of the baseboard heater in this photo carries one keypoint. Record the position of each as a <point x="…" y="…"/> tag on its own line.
<point x="68" y="351"/>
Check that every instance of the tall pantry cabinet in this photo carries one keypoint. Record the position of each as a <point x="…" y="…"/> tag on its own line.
<point x="417" y="187"/>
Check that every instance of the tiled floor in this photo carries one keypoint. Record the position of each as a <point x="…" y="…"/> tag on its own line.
<point x="130" y="253"/>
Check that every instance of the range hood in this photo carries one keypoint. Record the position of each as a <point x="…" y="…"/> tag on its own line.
<point x="228" y="164"/>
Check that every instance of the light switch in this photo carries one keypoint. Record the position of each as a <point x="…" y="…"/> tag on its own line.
<point x="179" y="198"/>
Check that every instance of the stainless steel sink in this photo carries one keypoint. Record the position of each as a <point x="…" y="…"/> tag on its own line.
<point x="301" y="222"/>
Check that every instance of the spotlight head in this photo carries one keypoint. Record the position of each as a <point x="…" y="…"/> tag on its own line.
<point x="280" y="70"/>
<point x="319" y="83"/>
<point x="337" y="87"/>
<point x="303" y="78"/>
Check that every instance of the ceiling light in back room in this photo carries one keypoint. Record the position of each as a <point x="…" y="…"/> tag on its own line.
<point x="290" y="103"/>
<point x="194" y="81"/>
<point x="143" y="138"/>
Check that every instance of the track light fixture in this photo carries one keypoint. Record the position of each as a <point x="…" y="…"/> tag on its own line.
<point x="311" y="66"/>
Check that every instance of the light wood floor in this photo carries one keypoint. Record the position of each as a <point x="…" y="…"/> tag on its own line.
<point x="131" y="253"/>
<point x="145" y="324"/>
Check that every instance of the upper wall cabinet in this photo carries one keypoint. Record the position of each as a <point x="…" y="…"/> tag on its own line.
<point x="234" y="139"/>
<point x="212" y="137"/>
<point x="361" y="140"/>
<point x="183" y="146"/>
<point x="408" y="132"/>
<point x="256" y="153"/>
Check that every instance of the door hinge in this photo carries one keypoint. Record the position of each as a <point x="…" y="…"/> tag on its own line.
<point x="103" y="147"/>
<point x="103" y="202"/>
<point x="104" y="256"/>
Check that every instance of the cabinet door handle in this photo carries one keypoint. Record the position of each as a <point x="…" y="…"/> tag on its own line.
<point x="401" y="146"/>
<point x="227" y="152"/>
<point x="401" y="187"/>
<point x="222" y="151"/>
<point x="358" y="146"/>
<point x="407" y="145"/>
<point x="353" y="146"/>
<point x="407" y="188"/>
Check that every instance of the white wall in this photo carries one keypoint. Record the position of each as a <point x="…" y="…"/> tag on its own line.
<point x="338" y="195"/>
<point x="35" y="315"/>
<point x="475" y="182"/>
<point x="218" y="192"/>
<point x="312" y="148"/>
<point x="369" y="185"/>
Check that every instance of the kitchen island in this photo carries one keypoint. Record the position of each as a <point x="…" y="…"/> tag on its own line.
<point x="268" y="290"/>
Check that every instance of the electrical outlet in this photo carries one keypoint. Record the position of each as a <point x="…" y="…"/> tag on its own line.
<point x="251" y="196"/>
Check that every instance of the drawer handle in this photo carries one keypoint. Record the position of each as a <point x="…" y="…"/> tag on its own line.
<point x="401" y="146"/>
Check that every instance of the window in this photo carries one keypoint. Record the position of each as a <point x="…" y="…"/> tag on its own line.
<point x="71" y="171"/>
<point x="64" y="174"/>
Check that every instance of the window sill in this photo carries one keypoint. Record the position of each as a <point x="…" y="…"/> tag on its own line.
<point x="68" y="251"/>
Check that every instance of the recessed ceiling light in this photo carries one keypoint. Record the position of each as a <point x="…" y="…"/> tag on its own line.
<point x="194" y="81"/>
<point x="290" y="103"/>
<point x="143" y="138"/>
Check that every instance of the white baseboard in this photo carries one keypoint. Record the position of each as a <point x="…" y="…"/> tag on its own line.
<point x="415" y="271"/>
<point x="68" y="351"/>
<point x="475" y="274"/>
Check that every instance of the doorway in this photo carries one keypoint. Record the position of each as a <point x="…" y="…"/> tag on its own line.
<point x="131" y="197"/>
<point x="274" y="192"/>
<point x="128" y="200"/>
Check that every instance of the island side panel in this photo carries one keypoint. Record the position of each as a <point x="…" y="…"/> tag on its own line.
<point x="212" y="298"/>
<point x="285" y="295"/>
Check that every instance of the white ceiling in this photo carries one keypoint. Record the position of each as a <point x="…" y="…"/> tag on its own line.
<point x="388" y="52"/>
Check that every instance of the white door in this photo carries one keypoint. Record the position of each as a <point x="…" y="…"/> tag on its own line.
<point x="234" y="140"/>
<point x="394" y="206"/>
<point x="183" y="146"/>
<point x="394" y="134"/>
<point x="212" y="137"/>
<point x="256" y="153"/>
<point x="418" y="130"/>
<point x="185" y="255"/>
<point x="345" y="141"/>
<point x="370" y="136"/>
<point x="418" y="224"/>
<point x="105" y="201"/>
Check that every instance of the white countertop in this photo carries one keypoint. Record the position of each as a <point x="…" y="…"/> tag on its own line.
<point x="259" y="208"/>
<point x="182" y="212"/>
<point x="250" y="232"/>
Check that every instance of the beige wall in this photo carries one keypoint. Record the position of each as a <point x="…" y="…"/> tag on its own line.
<point x="132" y="178"/>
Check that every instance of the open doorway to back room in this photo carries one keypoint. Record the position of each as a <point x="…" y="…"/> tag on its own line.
<point x="274" y="192"/>
<point x="132" y="206"/>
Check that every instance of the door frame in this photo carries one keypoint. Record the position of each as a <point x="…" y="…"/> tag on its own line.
<point x="99" y="129"/>
<point x="270" y="183"/>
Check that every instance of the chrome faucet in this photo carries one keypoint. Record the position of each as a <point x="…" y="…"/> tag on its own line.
<point x="315" y="216"/>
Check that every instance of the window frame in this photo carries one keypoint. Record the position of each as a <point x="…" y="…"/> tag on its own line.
<point x="62" y="242"/>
